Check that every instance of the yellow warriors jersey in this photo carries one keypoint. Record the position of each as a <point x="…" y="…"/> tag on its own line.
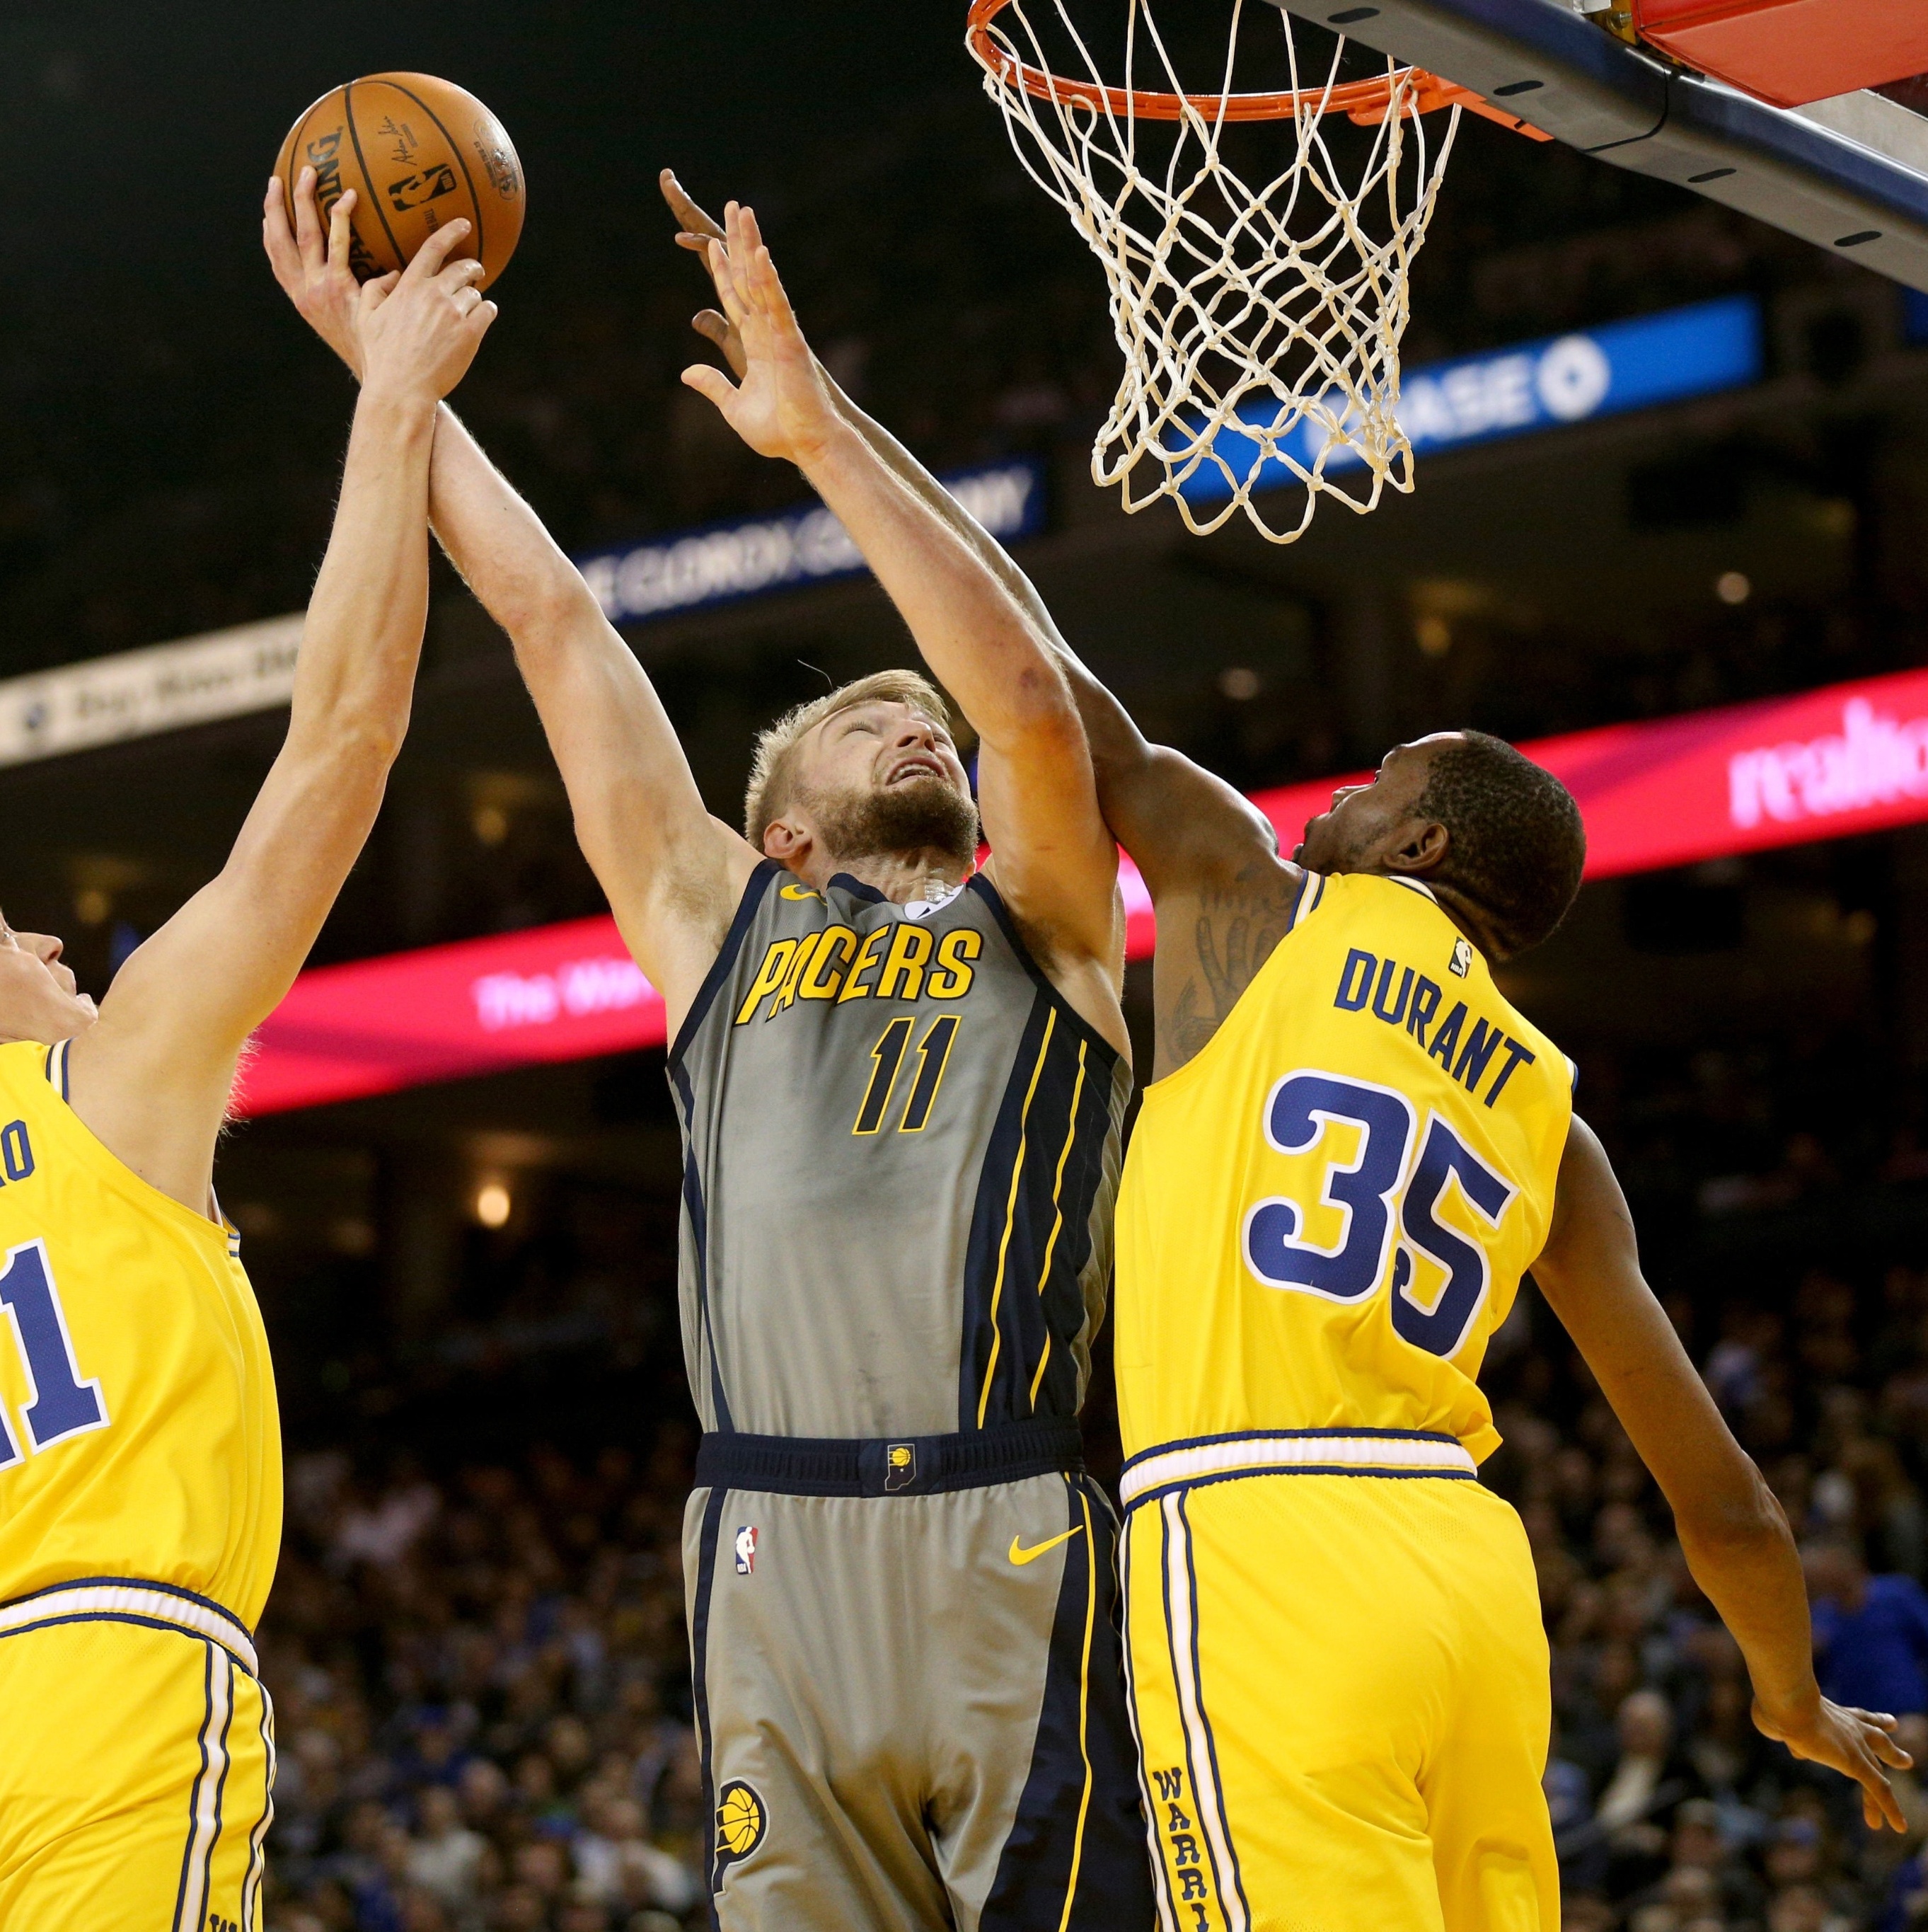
<point x="140" y="1442"/>
<point x="1326" y="1213"/>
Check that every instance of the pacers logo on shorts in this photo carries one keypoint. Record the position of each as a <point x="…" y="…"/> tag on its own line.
<point x="740" y="1822"/>
<point x="899" y="1469"/>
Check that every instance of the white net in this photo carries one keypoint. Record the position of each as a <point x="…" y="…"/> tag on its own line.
<point x="1260" y="323"/>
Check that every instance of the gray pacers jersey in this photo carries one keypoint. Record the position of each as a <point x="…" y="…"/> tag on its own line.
<point x="901" y="1156"/>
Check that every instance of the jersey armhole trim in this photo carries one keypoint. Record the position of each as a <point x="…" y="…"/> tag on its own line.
<point x="754" y="887"/>
<point x="109" y="1168"/>
<point x="978" y="883"/>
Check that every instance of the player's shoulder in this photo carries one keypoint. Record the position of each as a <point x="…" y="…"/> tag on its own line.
<point x="1369" y="902"/>
<point x="32" y="1073"/>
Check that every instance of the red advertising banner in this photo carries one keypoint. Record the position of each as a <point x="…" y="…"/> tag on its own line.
<point x="552" y="992"/>
<point x="1782" y="771"/>
<point x="1850" y="758"/>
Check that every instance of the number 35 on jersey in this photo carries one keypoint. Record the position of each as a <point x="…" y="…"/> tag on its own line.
<point x="1377" y="1199"/>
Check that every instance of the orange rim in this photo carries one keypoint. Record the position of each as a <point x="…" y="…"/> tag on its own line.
<point x="1364" y="102"/>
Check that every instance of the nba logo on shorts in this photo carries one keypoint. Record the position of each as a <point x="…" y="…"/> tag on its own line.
<point x="746" y="1550"/>
<point x="900" y="1465"/>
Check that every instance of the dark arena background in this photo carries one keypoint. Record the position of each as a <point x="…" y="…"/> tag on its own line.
<point x="461" y="1220"/>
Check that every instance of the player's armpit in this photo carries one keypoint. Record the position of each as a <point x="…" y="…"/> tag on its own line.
<point x="152" y="1077"/>
<point x="1217" y="927"/>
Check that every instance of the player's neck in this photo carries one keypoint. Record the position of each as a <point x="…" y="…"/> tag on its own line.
<point x="1463" y="911"/>
<point x="1470" y="919"/>
<point x="902" y="877"/>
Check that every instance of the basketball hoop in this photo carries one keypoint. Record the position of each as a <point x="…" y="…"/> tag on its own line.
<point x="1261" y="326"/>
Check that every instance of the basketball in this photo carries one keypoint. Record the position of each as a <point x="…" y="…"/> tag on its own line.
<point x="419" y="152"/>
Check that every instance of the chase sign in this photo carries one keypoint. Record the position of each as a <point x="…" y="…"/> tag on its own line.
<point x="1537" y="385"/>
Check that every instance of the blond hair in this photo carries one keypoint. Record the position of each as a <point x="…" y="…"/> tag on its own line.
<point x="773" y="770"/>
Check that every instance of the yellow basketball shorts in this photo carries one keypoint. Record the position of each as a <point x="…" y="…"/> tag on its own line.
<point x="138" y="1763"/>
<point x="1339" y="1683"/>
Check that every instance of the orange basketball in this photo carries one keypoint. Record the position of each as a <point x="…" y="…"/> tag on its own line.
<point x="419" y="152"/>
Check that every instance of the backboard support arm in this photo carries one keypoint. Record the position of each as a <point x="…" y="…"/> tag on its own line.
<point x="1621" y="104"/>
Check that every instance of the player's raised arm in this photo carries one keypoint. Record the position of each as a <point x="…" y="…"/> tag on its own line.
<point x="1054" y="862"/>
<point x="151" y="1077"/>
<point x="1180" y="823"/>
<point x="672" y="873"/>
<point x="1732" y="1529"/>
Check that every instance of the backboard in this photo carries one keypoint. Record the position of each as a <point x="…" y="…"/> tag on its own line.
<point x="1848" y="174"/>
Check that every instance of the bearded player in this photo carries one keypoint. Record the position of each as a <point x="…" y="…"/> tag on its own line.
<point x="901" y="1082"/>
<point x="140" y="1476"/>
<point x="1353" y="1148"/>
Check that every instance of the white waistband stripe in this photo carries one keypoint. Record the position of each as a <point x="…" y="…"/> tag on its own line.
<point x="133" y="1600"/>
<point x="1259" y="1455"/>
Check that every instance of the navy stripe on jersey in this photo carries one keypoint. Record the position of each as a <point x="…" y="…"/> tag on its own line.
<point x="250" y="1888"/>
<point x="1221" y="1820"/>
<point x="978" y="884"/>
<point x="1174" y="1533"/>
<point x="1076" y="1181"/>
<point x="1030" y="1234"/>
<point x="757" y="884"/>
<point x="1134" y="1532"/>
<point x="698" y="1235"/>
<point x="1075" y="1858"/>
<point x="706" y="1583"/>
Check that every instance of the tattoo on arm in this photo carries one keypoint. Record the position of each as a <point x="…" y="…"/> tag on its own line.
<point x="1238" y="923"/>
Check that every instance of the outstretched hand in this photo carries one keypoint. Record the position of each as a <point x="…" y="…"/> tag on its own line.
<point x="313" y="266"/>
<point x="1856" y="1743"/>
<point x="430" y="340"/>
<point x="781" y="408"/>
<point x="696" y="229"/>
<point x="419" y="330"/>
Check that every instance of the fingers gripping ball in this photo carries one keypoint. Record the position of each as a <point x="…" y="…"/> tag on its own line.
<point x="419" y="152"/>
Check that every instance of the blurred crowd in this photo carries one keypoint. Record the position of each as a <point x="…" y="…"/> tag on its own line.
<point x="482" y="1700"/>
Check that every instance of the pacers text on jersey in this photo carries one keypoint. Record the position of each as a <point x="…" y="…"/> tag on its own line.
<point x="900" y="961"/>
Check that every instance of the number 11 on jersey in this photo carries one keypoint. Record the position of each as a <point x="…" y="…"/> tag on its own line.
<point x="934" y="1051"/>
<point x="59" y="1403"/>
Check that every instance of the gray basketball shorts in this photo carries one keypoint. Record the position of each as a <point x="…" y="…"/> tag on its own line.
<point x="909" y="1694"/>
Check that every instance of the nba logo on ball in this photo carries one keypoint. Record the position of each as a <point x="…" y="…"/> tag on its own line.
<point x="900" y="1465"/>
<point x="746" y="1550"/>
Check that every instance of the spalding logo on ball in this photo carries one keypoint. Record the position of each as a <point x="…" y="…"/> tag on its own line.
<point x="419" y="152"/>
